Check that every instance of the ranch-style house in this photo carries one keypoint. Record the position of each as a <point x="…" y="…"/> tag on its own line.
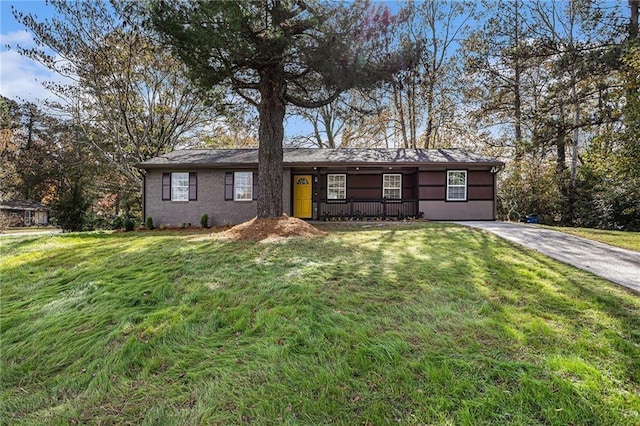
<point x="320" y="184"/>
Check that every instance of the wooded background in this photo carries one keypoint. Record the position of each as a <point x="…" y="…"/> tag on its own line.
<point x="550" y="87"/>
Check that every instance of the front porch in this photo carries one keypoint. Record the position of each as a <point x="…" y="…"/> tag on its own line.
<point x="355" y="193"/>
<point x="360" y="209"/>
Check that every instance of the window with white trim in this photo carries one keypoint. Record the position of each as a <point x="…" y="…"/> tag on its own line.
<point x="456" y="185"/>
<point x="179" y="186"/>
<point x="336" y="187"/>
<point x="392" y="186"/>
<point x="243" y="186"/>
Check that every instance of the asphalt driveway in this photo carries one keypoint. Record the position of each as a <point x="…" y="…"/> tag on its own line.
<point x="614" y="264"/>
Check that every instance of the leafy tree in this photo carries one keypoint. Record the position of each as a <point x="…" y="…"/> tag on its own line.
<point x="528" y="187"/>
<point x="327" y="122"/>
<point x="575" y="41"/>
<point x="81" y="177"/>
<point x="418" y="107"/>
<point x="608" y="190"/>
<point x="359" y="118"/>
<point x="497" y="58"/>
<point x="368" y="120"/>
<point x="546" y="73"/>
<point x="608" y="184"/>
<point x="130" y="94"/>
<point x="27" y="153"/>
<point x="9" y="121"/>
<point x="424" y="97"/>
<point x="9" y="111"/>
<point x="45" y="159"/>
<point x="71" y="208"/>
<point x="276" y="53"/>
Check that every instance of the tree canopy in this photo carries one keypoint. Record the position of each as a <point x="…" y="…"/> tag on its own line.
<point x="126" y="93"/>
<point x="275" y="53"/>
<point x="549" y="86"/>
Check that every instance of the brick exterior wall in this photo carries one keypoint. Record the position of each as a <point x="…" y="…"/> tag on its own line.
<point x="210" y="201"/>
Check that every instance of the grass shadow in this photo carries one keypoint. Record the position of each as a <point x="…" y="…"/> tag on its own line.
<point x="418" y="324"/>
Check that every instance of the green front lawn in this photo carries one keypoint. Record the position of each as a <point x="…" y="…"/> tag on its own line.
<point x="416" y="324"/>
<point x="622" y="239"/>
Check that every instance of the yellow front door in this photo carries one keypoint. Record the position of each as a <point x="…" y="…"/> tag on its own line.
<point x="302" y="196"/>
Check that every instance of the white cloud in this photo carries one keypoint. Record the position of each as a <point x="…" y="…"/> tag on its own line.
<point x="23" y="37"/>
<point x="21" y="78"/>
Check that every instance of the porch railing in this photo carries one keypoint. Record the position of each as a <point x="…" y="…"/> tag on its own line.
<point x="358" y="208"/>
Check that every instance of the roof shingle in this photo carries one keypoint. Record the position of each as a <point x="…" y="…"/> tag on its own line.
<point x="22" y="205"/>
<point x="318" y="156"/>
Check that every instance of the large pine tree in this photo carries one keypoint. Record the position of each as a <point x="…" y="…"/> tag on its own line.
<point x="275" y="53"/>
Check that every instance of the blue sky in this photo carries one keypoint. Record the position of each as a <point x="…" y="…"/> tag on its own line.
<point x="20" y="78"/>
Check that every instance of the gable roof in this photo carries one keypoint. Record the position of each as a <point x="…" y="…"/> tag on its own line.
<point x="319" y="157"/>
<point x="22" y="205"/>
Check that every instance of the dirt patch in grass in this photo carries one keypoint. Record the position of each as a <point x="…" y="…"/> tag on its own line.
<point x="272" y="229"/>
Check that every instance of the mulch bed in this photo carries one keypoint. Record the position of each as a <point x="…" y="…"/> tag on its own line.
<point x="272" y="229"/>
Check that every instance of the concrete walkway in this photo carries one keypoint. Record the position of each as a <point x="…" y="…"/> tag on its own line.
<point x="614" y="264"/>
<point x="44" y="231"/>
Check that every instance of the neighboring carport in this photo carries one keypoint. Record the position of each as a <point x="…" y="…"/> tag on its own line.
<point x="614" y="264"/>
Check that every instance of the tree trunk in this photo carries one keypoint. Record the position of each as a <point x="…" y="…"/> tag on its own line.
<point x="576" y="131"/>
<point x="561" y="143"/>
<point x="517" y="88"/>
<point x="428" y="134"/>
<point x="517" y="103"/>
<point x="397" y="99"/>
<point x="316" y="133"/>
<point x="633" y="22"/>
<point x="413" y="114"/>
<point x="271" y="134"/>
<point x="327" y="118"/>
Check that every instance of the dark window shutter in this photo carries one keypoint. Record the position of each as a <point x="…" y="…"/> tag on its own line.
<point x="193" y="186"/>
<point x="255" y="185"/>
<point x="166" y="186"/>
<point x="228" y="186"/>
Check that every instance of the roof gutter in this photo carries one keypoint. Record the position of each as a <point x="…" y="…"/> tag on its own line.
<point x="496" y="165"/>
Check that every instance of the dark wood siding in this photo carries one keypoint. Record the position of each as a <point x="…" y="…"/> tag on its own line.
<point x="321" y="186"/>
<point x="480" y="185"/>
<point x="480" y="178"/>
<point x="432" y="185"/>
<point x="365" y="181"/>
<point x="364" y="192"/>
<point x="409" y="189"/>
<point x="369" y="185"/>
<point x="480" y="193"/>
<point x="433" y="178"/>
<point x="364" y="186"/>
<point x="432" y="193"/>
